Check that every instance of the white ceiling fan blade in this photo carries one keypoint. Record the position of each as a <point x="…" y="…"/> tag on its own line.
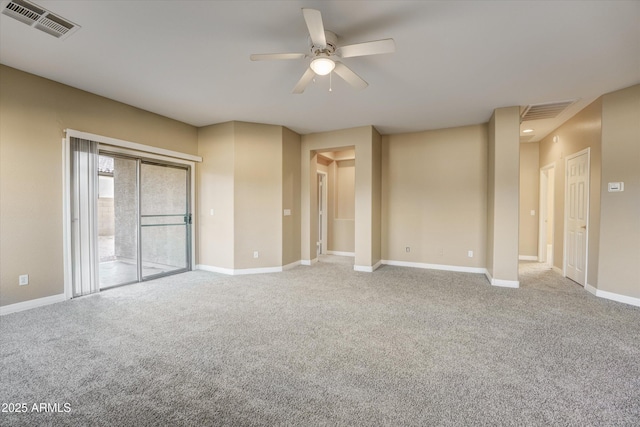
<point x="313" y="18"/>
<point x="368" y="48"/>
<point x="349" y="76"/>
<point x="304" y="81"/>
<point x="276" y="56"/>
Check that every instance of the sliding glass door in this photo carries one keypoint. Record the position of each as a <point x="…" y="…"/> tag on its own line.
<point x="117" y="220"/>
<point x="143" y="219"/>
<point x="164" y="218"/>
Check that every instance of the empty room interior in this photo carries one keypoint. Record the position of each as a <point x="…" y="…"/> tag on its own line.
<point x="320" y="212"/>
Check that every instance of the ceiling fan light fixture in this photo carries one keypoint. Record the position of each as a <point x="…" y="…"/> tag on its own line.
<point x="322" y="66"/>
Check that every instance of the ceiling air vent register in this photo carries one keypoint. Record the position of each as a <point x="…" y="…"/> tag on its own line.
<point x="550" y="110"/>
<point x="40" y="18"/>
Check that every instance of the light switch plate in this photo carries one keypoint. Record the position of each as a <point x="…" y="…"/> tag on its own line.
<point x="615" y="187"/>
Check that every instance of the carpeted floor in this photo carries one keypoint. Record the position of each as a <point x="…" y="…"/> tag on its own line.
<point x="325" y="345"/>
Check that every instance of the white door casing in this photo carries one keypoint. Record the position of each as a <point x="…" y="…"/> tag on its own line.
<point x="546" y="209"/>
<point x="576" y="216"/>
<point x="121" y="147"/>
<point x="322" y="213"/>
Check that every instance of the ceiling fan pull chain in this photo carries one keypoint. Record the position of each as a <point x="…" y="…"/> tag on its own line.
<point x="330" y="74"/>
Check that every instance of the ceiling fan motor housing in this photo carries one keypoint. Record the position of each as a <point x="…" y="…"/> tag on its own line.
<point x="329" y="49"/>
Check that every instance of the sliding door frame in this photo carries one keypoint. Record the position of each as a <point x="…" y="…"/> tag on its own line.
<point x="126" y="148"/>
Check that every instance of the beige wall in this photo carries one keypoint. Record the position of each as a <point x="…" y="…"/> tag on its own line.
<point x="619" y="252"/>
<point x="215" y="188"/>
<point x="290" y="196"/>
<point x="434" y="192"/>
<point x="441" y="192"/>
<point x="345" y="179"/>
<point x="249" y="176"/>
<point x="34" y="113"/>
<point x="578" y="133"/>
<point x="491" y="164"/>
<point x="503" y="195"/>
<point x="529" y="199"/>
<point x="376" y="196"/>
<point x="258" y="195"/>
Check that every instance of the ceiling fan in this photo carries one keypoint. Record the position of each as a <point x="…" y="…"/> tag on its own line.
<point x="325" y="53"/>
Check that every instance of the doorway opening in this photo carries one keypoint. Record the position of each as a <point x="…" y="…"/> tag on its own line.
<point x="336" y="203"/>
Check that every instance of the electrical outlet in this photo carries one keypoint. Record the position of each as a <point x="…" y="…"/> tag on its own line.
<point x="211" y="212"/>
<point x="407" y="249"/>
<point x="23" y="279"/>
<point x="255" y="254"/>
<point x="441" y="252"/>
<point x="470" y="254"/>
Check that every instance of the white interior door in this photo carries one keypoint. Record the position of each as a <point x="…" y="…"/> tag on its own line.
<point x="577" y="215"/>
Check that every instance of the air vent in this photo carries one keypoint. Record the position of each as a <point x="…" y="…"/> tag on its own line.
<point x="39" y="18"/>
<point x="527" y="138"/>
<point x="549" y="110"/>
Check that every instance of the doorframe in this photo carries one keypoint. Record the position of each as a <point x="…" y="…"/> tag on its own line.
<point x="543" y="207"/>
<point x="586" y="151"/>
<point x="325" y="221"/>
<point x="122" y="147"/>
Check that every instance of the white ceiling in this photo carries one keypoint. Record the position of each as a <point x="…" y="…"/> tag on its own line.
<point x="454" y="61"/>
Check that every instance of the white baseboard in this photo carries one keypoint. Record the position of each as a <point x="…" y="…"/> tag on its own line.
<point x="367" y="268"/>
<point x="462" y="269"/>
<point x="261" y="270"/>
<point x="501" y="282"/>
<point x="613" y="296"/>
<point x="341" y="253"/>
<point x="27" y="305"/>
<point x="241" y="271"/>
<point x="308" y="261"/>
<point x="528" y="257"/>
<point x="557" y="270"/>
<point x="214" y="269"/>
<point x="435" y="266"/>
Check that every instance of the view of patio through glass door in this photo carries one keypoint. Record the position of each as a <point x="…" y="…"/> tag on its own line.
<point x="143" y="219"/>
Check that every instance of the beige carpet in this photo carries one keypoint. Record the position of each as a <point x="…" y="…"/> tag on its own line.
<point x="325" y="345"/>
